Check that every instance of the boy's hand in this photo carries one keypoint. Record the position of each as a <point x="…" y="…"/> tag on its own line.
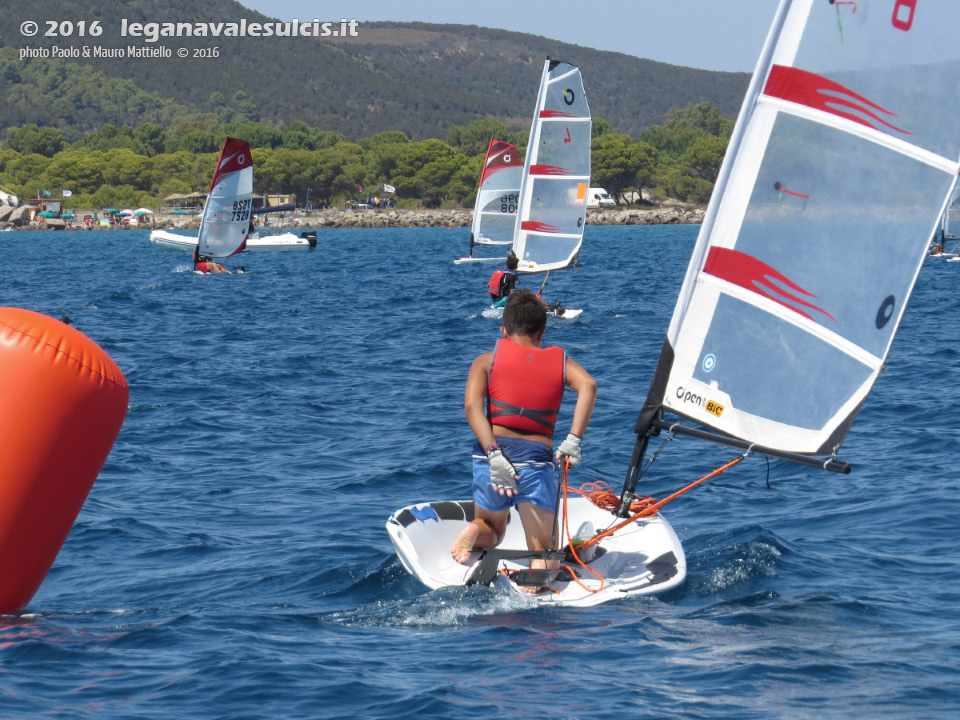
<point x="503" y="475"/>
<point x="571" y="448"/>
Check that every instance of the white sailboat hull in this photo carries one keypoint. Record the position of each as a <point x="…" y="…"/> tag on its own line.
<point x="467" y="260"/>
<point x="495" y="313"/>
<point x="644" y="558"/>
<point x="257" y="243"/>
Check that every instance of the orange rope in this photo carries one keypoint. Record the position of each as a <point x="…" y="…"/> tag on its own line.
<point x="564" y="471"/>
<point x="649" y="510"/>
<point x="599" y="494"/>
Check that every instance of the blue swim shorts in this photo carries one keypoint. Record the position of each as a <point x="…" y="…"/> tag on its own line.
<point x="534" y="463"/>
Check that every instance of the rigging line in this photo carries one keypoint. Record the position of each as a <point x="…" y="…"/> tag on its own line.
<point x="651" y="510"/>
<point x="564" y="472"/>
<point x="669" y="438"/>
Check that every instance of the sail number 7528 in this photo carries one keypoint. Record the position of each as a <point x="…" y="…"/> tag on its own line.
<point x="241" y="210"/>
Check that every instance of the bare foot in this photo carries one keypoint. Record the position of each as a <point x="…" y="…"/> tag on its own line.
<point x="463" y="545"/>
<point x="530" y="589"/>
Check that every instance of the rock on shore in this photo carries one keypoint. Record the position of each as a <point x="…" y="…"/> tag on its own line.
<point x="331" y="218"/>
<point x="666" y="215"/>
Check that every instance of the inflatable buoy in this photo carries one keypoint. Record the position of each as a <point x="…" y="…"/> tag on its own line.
<point x="62" y="402"/>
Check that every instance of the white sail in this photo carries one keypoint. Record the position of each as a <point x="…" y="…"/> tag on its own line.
<point x="840" y="166"/>
<point x="226" y="214"/>
<point x="951" y="217"/>
<point x="556" y="173"/>
<point x="498" y="195"/>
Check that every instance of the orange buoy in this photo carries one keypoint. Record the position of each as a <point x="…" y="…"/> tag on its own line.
<point x="62" y="402"/>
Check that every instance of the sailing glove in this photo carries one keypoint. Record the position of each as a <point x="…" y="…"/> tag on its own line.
<point x="571" y="448"/>
<point x="503" y="475"/>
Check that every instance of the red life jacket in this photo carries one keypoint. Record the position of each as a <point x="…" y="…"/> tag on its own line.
<point x="525" y="388"/>
<point x="202" y="267"/>
<point x="493" y="287"/>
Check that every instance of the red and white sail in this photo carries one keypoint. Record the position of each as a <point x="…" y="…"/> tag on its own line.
<point x="226" y="214"/>
<point x="841" y="164"/>
<point x="498" y="195"/>
<point x="556" y="173"/>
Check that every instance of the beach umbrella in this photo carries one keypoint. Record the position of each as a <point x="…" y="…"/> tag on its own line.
<point x="70" y="215"/>
<point x="46" y="214"/>
<point x="125" y="212"/>
<point x="108" y="211"/>
<point x="142" y="211"/>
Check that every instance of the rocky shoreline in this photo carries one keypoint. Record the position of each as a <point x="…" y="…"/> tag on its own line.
<point x="331" y="218"/>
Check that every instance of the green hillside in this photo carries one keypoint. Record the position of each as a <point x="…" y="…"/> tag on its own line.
<point x="417" y="78"/>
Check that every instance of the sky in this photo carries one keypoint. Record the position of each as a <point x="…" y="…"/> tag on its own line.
<point x="709" y="34"/>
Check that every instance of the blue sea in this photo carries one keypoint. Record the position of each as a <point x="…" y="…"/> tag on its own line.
<point x="231" y="560"/>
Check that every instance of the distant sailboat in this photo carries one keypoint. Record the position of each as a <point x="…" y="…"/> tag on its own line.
<point x="498" y="194"/>
<point x="556" y="173"/>
<point x="225" y="223"/>
<point x="838" y="171"/>
<point x="950" y="220"/>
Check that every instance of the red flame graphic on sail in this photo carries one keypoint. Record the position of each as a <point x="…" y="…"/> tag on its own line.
<point x="748" y="272"/>
<point x="555" y="114"/>
<point x="816" y="91"/>
<point x="549" y="170"/>
<point x="534" y="226"/>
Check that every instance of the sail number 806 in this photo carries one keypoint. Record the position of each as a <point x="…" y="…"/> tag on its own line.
<point x="508" y="203"/>
<point x="241" y="210"/>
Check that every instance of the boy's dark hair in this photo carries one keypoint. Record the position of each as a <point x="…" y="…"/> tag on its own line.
<point x="512" y="260"/>
<point x="524" y="313"/>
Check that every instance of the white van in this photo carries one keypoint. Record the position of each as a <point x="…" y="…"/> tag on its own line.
<point x="598" y="197"/>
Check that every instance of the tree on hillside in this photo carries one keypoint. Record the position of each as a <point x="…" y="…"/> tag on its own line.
<point x="193" y="137"/>
<point x="28" y="139"/>
<point x="432" y="171"/>
<point x="686" y="126"/>
<point x="701" y="116"/>
<point x="703" y="158"/>
<point x="288" y="171"/>
<point x="620" y="163"/>
<point x="79" y="170"/>
<point x="151" y="138"/>
<point x="244" y="106"/>
<point x="600" y="127"/>
<point x="22" y="172"/>
<point x="474" y="138"/>
<point x="110" y="137"/>
<point x="300" y="136"/>
<point x="256" y="134"/>
<point x="125" y="167"/>
<point x="339" y="173"/>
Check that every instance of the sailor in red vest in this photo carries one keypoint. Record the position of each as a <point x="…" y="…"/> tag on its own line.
<point x="521" y="384"/>
<point x="204" y="264"/>
<point x="503" y="282"/>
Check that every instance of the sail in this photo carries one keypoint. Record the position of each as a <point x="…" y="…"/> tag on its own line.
<point x="951" y="217"/>
<point x="835" y="179"/>
<point x="226" y="214"/>
<point x="556" y="173"/>
<point x="495" y="212"/>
